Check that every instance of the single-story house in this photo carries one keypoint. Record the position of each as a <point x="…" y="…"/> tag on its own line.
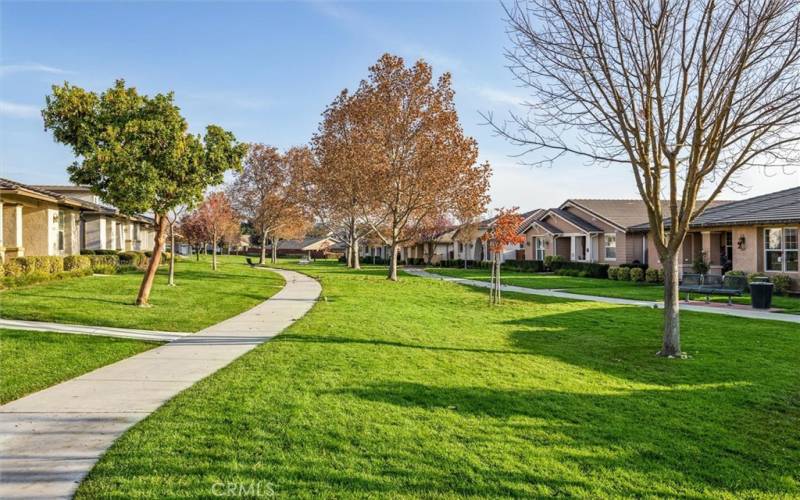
<point x="477" y="249"/>
<point x="103" y="227"/>
<point x="588" y="230"/>
<point x="442" y="248"/>
<point x="759" y="234"/>
<point x="314" y="247"/>
<point x="37" y="222"/>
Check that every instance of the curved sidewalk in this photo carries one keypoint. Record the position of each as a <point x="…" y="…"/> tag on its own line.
<point x="50" y="440"/>
<point x="750" y="313"/>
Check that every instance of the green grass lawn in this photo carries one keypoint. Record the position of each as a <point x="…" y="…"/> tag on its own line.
<point x="32" y="361"/>
<point x="420" y="389"/>
<point x="599" y="287"/>
<point x="201" y="298"/>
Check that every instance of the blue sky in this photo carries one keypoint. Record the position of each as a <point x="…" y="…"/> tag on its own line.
<point x="266" y="70"/>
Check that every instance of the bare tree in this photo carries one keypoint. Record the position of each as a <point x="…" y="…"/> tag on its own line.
<point x="686" y="93"/>
<point x="173" y="215"/>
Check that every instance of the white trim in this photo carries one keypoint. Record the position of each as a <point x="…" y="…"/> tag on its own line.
<point x="782" y="250"/>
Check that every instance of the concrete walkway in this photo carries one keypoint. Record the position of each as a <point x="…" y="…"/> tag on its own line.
<point x="51" y="439"/>
<point x="104" y="331"/>
<point x="742" y="313"/>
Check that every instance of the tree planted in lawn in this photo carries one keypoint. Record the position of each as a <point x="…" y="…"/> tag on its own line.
<point x="420" y="163"/>
<point x="337" y="188"/>
<point x="502" y="232"/>
<point x="685" y="93"/>
<point x="136" y="153"/>
<point x="218" y="219"/>
<point x="266" y="192"/>
<point x="193" y="231"/>
<point x="173" y="216"/>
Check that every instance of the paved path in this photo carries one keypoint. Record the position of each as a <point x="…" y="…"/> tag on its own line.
<point x="51" y="439"/>
<point x="742" y="313"/>
<point x="125" y="333"/>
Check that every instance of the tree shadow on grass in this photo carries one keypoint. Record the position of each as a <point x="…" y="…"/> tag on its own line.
<point x="664" y="437"/>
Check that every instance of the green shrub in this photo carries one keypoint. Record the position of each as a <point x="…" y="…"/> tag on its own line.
<point x="77" y="262"/>
<point x="653" y="275"/>
<point x="613" y="273"/>
<point x="104" y="264"/>
<point x="127" y="268"/>
<point x="752" y="277"/>
<point x="782" y="283"/>
<point x="636" y="274"/>
<point x="132" y="258"/>
<point x="700" y="264"/>
<point x="552" y="262"/>
<point x="87" y="252"/>
<point x="624" y="274"/>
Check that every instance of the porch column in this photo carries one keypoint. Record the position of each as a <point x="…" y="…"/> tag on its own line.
<point x="571" y="248"/>
<point x="101" y="229"/>
<point x="12" y="230"/>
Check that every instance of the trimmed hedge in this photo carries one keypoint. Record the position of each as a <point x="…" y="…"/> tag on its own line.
<point x="77" y="262"/>
<point x="104" y="264"/>
<point x="653" y="275"/>
<point x="591" y="269"/>
<point x="29" y="270"/>
<point x="637" y="274"/>
<point x="624" y="274"/>
<point x="524" y="266"/>
<point x="133" y="258"/>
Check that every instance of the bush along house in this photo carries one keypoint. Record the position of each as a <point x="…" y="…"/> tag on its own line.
<point x="756" y="235"/>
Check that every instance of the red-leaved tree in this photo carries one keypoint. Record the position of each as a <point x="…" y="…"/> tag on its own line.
<point x="502" y="233"/>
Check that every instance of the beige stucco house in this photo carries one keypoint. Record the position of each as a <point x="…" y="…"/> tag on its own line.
<point x="469" y="244"/>
<point x="103" y="227"/>
<point x="63" y="220"/>
<point x="37" y="222"/>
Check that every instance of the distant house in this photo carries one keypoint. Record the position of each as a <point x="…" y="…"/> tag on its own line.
<point x="759" y="234"/>
<point x="589" y="230"/>
<point x="478" y="250"/>
<point x="314" y="247"/>
<point x="104" y="227"/>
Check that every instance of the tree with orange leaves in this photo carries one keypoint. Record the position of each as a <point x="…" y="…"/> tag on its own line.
<point x="419" y="164"/>
<point x="502" y="233"/>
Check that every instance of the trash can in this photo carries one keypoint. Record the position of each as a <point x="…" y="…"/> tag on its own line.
<point x="761" y="295"/>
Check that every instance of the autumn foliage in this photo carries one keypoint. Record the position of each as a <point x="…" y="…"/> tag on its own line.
<point x="503" y="232"/>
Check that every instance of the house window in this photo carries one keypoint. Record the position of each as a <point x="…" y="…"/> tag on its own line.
<point x="780" y="249"/>
<point x="539" y="249"/>
<point x="62" y="225"/>
<point x="611" y="246"/>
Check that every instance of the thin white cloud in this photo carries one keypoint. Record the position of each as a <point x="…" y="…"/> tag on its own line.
<point x="358" y="22"/>
<point x="499" y="96"/>
<point x="14" y="110"/>
<point x="9" y="69"/>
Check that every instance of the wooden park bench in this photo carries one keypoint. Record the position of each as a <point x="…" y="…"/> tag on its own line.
<point x="712" y="284"/>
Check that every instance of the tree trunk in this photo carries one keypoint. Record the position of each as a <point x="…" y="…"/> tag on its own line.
<point x="152" y="266"/>
<point x="214" y="252"/>
<point x="672" y="328"/>
<point x="393" y="264"/>
<point x="497" y="277"/>
<point x="274" y="257"/>
<point x="263" y="248"/>
<point x="172" y="254"/>
<point x="196" y="253"/>
<point x="356" y="255"/>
